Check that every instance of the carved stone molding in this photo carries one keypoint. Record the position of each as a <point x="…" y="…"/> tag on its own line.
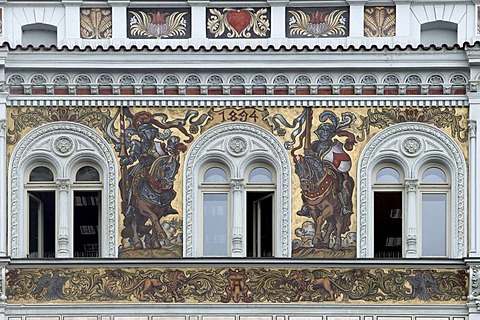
<point x="385" y="145"/>
<point x="271" y="152"/>
<point x="474" y="284"/>
<point x="26" y="153"/>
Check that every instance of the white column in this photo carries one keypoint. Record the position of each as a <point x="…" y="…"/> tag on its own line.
<point x="357" y="12"/>
<point x="119" y="19"/>
<point x="238" y="230"/>
<point x="199" y="16"/>
<point x="3" y="177"/>
<point x="411" y="187"/>
<point x="64" y="232"/>
<point x="402" y="9"/>
<point x="474" y="178"/>
<point x="473" y="245"/>
<point x="72" y="21"/>
<point x="278" y="12"/>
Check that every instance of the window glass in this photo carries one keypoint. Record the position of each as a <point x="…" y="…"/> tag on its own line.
<point x="388" y="224"/>
<point x="87" y="173"/>
<point x="215" y="219"/>
<point x="41" y="174"/>
<point x="388" y="175"/>
<point x="434" y="224"/>
<point x="215" y="174"/>
<point x="260" y="175"/>
<point x="434" y="175"/>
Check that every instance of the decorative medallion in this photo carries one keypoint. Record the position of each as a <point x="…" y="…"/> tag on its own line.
<point x="96" y="23"/>
<point x="159" y="23"/>
<point x="238" y="23"/>
<point x="379" y="22"/>
<point x="317" y="22"/>
<point x="411" y="146"/>
<point x="63" y="146"/>
<point x="237" y="146"/>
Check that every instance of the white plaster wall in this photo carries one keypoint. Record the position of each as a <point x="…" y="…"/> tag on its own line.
<point x="65" y="16"/>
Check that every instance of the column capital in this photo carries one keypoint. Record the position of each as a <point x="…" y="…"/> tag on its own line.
<point x="411" y="185"/>
<point x="278" y="3"/>
<point x="357" y="2"/>
<point x="236" y="184"/>
<point x="198" y="3"/>
<point x="472" y="128"/>
<point x="63" y="184"/>
<point x="72" y="3"/>
<point x="118" y="3"/>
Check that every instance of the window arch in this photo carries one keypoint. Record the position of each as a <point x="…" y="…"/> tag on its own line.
<point x="69" y="150"/>
<point x="432" y="170"/>
<point x="244" y="151"/>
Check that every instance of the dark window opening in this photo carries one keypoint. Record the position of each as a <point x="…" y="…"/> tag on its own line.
<point x="259" y="224"/>
<point x="41" y="224"/>
<point x="86" y="217"/>
<point x="388" y="224"/>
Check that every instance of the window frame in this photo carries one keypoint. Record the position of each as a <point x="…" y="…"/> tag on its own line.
<point x="413" y="146"/>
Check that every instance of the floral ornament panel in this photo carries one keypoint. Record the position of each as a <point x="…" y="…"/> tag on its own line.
<point x="96" y="23"/>
<point x="379" y="22"/>
<point x="317" y="22"/>
<point x="237" y="285"/>
<point x="1" y="22"/>
<point x="225" y="23"/>
<point x="159" y="23"/>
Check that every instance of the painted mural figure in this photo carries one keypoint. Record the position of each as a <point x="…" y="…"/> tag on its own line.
<point x="149" y="158"/>
<point x="324" y="175"/>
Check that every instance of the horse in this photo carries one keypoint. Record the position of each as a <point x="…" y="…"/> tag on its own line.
<point x="320" y="185"/>
<point x="152" y="196"/>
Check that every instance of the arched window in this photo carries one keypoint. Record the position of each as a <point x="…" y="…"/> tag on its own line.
<point x="388" y="207"/>
<point x="41" y="216"/>
<point x="39" y="33"/>
<point x="237" y="187"/>
<point x="68" y="197"/>
<point x="87" y="212"/>
<point x="438" y="33"/>
<point x="434" y="193"/>
<point x="411" y="199"/>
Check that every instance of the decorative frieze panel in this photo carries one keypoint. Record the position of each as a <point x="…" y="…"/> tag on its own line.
<point x="237" y="285"/>
<point x="159" y="23"/>
<point x="379" y="22"/>
<point x="317" y="22"/>
<point x="247" y="23"/>
<point x="240" y="84"/>
<point x="96" y="23"/>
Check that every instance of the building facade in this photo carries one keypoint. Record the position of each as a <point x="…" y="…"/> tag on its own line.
<point x="207" y="160"/>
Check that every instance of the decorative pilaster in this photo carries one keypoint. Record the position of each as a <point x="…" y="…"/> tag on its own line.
<point x="473" y="212"/>
<point x="72" y="24"/>
<point x="119" y="18"/>
<point x="199" y="16"/>
<point x="357" y="11"/>
<point x="63" y="219"/>
<point x="238" y="244"/>
<point x="278" y="8"/>
<point x="3" y="179"/>
<point x="403" y="17"/>
<point x="3" y="284"/>
<point x="411" y="186"/>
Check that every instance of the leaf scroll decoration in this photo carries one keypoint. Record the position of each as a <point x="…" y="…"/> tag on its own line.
<point x="96" y="23"/>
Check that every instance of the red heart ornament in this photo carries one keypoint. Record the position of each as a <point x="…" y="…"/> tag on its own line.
<point x="238" y="20"/>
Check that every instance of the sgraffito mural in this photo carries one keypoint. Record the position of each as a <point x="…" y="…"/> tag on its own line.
<point x="227" y="23"/>
<point x="379" y="21"/>
<point x="158" y="23"/>
<point x="324" y="146"/>
<point x="96" y="23"/>
<point x="325" y="182"/>
<point x="149" y="152"/>
<point x="237" y="285"/>
<point x="317" y="22"/>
